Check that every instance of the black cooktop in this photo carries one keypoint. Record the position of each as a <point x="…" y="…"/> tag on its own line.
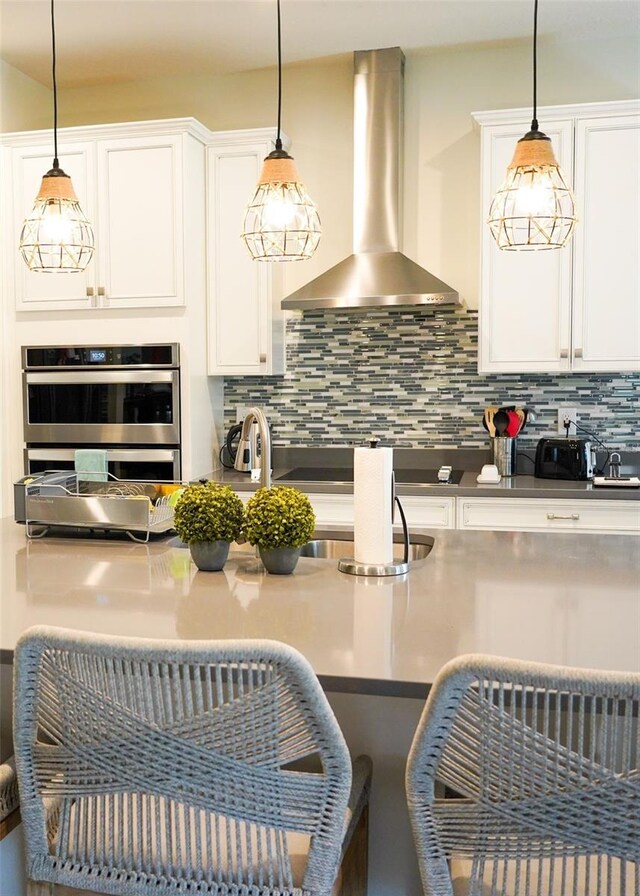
<point x="345" y="474"/>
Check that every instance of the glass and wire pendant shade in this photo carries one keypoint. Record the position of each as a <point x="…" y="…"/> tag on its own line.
<point x="56" y="236"/>
<point x="534" y="208"/>
<point x="281" y="222"/>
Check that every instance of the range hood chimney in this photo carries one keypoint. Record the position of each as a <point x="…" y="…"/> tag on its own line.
<point x="377" y="274"/>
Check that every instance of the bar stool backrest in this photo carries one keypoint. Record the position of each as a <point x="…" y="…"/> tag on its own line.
<point x="526" y="777"/>
<point x="144" y="765"/>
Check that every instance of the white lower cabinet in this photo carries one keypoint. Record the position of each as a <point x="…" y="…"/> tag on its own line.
<point x="491" y="514"/>
<point x="540" y="515"/>
<point x="421" y="513"/>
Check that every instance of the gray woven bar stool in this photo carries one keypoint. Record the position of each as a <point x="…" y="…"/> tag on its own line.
<point x="524" y="780"/>
<point x="207" y="767"/>
<point x="8" y="794"/>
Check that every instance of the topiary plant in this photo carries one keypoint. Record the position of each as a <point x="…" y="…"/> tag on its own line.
<point x="208" y="512"/>
<point x="279" y="517"/>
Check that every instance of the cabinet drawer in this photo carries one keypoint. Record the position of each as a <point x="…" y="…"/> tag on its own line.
<point x="541" y="515"/>
<point x="421" y="513"/>
<point x="428" y="513"/>
<point x="332" y="510"/>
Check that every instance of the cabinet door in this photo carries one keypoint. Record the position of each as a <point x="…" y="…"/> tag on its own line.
<point x="525" y="297"/>
<point x="141" y="221"/>
<point x="421" y="513"/>
<point x="245" y="330"/>
<point x="542" y="514"/>
<point x="50" y="292"/>
<point x="606" y="294"/>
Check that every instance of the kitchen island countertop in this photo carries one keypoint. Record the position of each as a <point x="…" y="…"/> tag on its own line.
<point x="562" y="598"/>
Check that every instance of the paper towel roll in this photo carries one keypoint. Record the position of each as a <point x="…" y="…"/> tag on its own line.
<point x="373" y="511"/>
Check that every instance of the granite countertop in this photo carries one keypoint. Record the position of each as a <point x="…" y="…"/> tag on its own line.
<point x="551" y="597"/>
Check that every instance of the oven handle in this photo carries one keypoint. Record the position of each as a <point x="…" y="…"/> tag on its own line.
<point x="111" y="376"/>
<point x="114" y="454"/>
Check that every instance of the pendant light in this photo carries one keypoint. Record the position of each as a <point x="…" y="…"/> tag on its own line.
<point x="534" y="207"/>
<point x="56" y="236"/>
<point x="281" y="222"/>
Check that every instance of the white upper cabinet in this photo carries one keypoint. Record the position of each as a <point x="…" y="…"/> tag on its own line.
<point x="606" y="285"/>
<point x="140" y="221"/>
<point x="139" y="184"/>
<point x="575" y="308"/>
<point x="35" y="291"/>
<point x="245" y="324"/>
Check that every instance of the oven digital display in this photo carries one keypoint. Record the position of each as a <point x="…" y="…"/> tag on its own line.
<point x="97" y="355"/>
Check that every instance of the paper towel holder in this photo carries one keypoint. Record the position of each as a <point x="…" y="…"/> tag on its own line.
<point x="350" y="566"/>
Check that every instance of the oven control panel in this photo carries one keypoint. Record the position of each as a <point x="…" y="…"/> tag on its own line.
<point x="44" y="357"/>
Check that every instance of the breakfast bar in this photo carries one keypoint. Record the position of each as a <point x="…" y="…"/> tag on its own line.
<point x="552" y="597"/>
<point x="376" y="644"/>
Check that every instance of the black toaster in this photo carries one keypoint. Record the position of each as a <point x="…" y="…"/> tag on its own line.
<point x="564" y="459"/>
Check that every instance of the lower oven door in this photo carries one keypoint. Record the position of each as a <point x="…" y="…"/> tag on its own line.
<point x="157" y="464"/>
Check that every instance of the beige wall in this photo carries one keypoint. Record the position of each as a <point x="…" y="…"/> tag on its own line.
<point x="24" y="104"/>
<point x="443" y="88"/>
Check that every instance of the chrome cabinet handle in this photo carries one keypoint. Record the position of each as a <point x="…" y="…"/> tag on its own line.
<point x="564" y="352"/>
<point x="577" y="353"/>
<point x="557" y="516"/>
<point x="263" y="359"/>
<point x="90" y="292"/>
<point x="102" y="291"/>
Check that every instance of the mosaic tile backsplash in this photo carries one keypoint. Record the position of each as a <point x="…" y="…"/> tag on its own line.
<point x="409" y="377"/>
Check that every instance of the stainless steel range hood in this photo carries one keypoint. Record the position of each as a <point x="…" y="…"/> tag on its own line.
<point x="377" y="274"/>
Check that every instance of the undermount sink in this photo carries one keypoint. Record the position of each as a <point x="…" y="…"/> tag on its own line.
<point x="336" y="544"/>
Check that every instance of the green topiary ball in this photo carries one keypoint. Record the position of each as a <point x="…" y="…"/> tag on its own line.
<point x="279" y="517"/>
<point x="209" y="512"/>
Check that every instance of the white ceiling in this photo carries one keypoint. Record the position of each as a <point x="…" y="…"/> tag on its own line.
<point x="105" y="41"/>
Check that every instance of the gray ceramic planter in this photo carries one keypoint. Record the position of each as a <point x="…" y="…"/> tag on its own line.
<point x="279" y="561"/>
<point x="209" y="555"/>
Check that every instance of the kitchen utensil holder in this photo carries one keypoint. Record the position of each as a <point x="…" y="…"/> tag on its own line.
<point x="503" y="455"/>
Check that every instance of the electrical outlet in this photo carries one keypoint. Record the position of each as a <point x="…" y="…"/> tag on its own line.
<point x="567" y="413"/>
<point x="241" y="413"/>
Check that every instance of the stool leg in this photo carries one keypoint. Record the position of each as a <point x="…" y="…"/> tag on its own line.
<point x="355" y="863"/>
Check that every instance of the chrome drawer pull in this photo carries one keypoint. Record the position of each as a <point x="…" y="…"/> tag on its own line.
<point x="557" y="516"/>
<point x="578" y="353"/>
<point x="564" y="353"/>
<point x="263" y="359"/>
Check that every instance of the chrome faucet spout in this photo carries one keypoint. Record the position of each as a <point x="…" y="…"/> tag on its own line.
<point x="244" y="453"/>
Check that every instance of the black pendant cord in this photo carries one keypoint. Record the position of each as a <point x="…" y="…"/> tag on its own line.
<point x="534" y="122"/>
<point x="56" y="164"/>
<point x="278" y="140"/>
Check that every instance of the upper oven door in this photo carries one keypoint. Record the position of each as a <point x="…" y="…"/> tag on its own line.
<point x="133" y="407"/>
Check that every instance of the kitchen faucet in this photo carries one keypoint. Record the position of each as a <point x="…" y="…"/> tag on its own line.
<point x="245" y="456"/>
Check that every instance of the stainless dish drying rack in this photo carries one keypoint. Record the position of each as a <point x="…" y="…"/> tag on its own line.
<point x="140" y="509"/>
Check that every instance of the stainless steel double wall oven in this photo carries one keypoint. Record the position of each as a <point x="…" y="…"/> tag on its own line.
<point x="122" y="398"/>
